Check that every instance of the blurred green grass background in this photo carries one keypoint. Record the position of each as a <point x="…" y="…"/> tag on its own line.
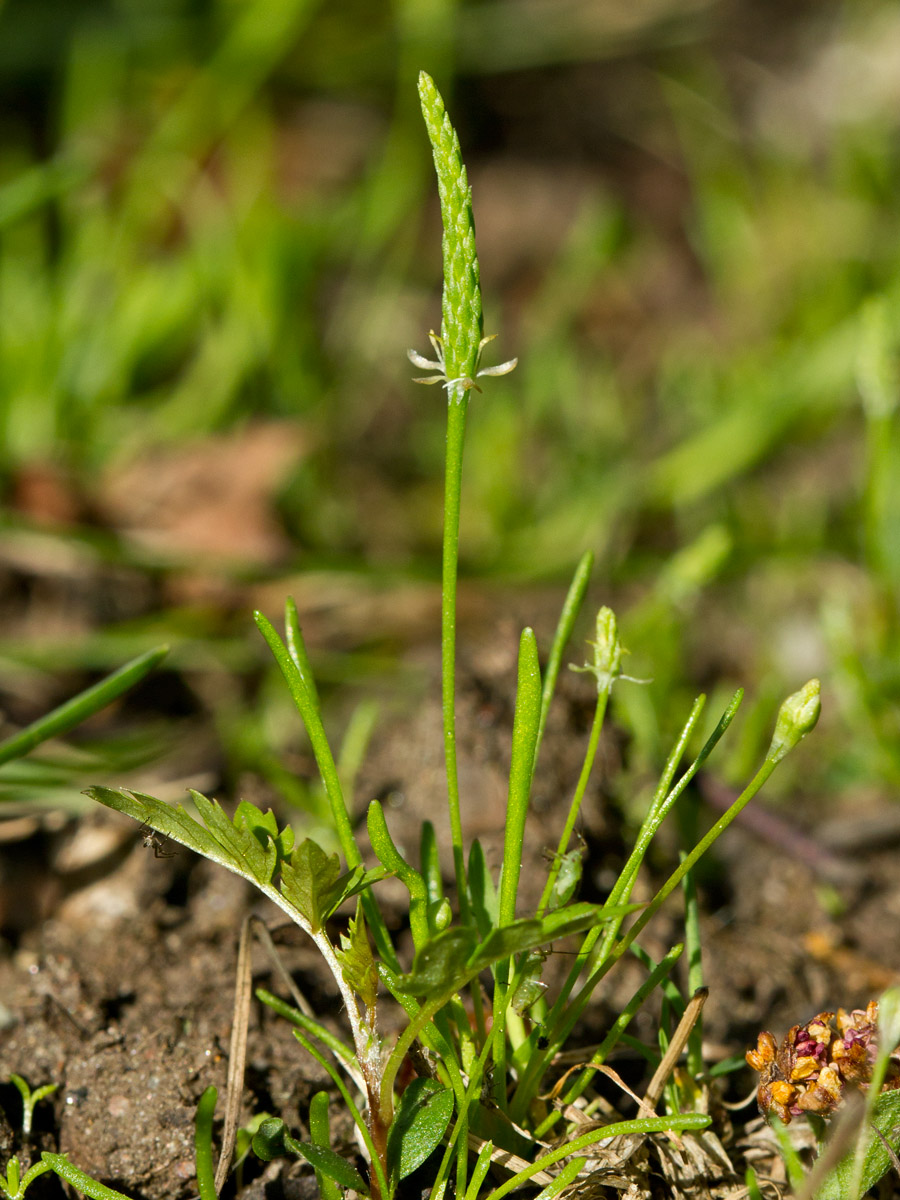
<point x="216" y="214"/>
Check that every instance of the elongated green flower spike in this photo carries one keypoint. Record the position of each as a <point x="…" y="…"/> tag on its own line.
<point x="458" y="350"/>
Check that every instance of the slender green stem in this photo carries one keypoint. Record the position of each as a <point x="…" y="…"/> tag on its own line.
<point x="603" y="1051"/>
<point x="456" y="430"/>
<point x="378" y="1165"/>
<point x="575" y="806"/>
<point x="479" y="1171"/>
<point x="570" y="609"/>
<point x="619" y="1129"/>
<point x="525" y="727"/>
<point x="665" y="891"/>
<point x="694" y="947"/>
<point x="560" y="1019"/>
<point x="457" y="1142"/>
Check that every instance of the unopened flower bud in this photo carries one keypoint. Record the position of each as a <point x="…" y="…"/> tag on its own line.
<point x="796" y="717"/>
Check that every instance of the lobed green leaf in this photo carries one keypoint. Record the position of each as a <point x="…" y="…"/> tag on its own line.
<point x="171" y="820"/>
<point x="255" y="860"/>
<point x="357" y="961"/>
<point x="307" y="881"/>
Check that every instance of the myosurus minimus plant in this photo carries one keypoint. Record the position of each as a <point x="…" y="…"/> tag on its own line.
<point x="471" y="1094"/>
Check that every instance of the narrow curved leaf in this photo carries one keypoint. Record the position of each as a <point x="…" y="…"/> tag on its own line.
<point x="203" y="1151"/>
<point x="529" y="933"/>
<point x="323" y="1159"/>
<point x="319" y="1133"/>
<point x="79" y="1181"/>
<point x="80" y="707"/>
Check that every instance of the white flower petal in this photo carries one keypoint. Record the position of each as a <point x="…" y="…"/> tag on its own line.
<point x="426" y="364"/>
<point x="502" y="369"/>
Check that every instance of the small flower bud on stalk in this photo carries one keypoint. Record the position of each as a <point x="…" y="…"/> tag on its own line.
<point x="796" y="717"/>
<point x="607" y="664"/>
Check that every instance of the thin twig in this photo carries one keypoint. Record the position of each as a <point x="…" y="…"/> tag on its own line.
<point x="237" y="1055"/>
<point x="676" y="1045"/>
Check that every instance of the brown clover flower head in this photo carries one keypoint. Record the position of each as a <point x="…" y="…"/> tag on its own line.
<point x="816" y="1062"/>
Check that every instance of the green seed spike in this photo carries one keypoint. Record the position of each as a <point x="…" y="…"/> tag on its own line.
<point x="461" y="326"/>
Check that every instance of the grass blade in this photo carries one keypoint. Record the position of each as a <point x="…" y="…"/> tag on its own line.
<point x="203" y="1151"/>
<point x="82" y="706"/>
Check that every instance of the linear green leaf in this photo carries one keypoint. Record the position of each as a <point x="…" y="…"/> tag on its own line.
<point x="80" y="707"/>
<point x="79" y="1181"/>
<point x="324" y="1159"/>
<point x="203" y="1152"/>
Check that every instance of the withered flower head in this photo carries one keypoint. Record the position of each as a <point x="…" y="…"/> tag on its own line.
<point x="815" y="1063"/>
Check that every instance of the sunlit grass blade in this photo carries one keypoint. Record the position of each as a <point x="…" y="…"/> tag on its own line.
<point x="525" y="728"/>
<point x="82" y="706"/>
<point x="569" y="614"/>
<point x="306" y="699"/>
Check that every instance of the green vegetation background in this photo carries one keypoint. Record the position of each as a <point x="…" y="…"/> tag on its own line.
<point x="215" y="213"/>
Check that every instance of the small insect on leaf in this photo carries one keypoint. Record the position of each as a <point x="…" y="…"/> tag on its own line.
<point x="155" y="841"/>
